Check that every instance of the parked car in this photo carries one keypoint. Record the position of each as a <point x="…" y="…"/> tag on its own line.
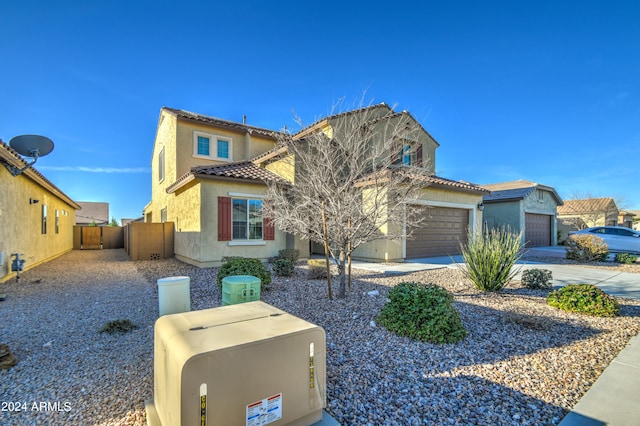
<point x="618" y="238"/>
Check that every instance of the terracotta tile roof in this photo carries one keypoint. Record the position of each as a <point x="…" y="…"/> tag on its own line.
<point x="244" y="170"/>
<point x="458" y="184"/>
<point x="588" y="205"/>
<point x="223" y="123"/>
<point x="238" y="170"/>
<point x="430" y="180"/>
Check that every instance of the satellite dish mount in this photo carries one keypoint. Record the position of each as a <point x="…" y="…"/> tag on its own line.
<point x="34" y="146"/>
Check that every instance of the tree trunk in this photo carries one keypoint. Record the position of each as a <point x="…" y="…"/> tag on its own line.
<point x="349" y="251"/>
<point x="342" y="292"/>
<point x="325" y="239"/>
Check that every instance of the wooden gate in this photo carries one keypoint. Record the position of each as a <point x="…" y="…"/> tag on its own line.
<point x="91" y="236"/>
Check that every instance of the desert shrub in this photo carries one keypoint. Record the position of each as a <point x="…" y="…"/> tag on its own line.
<point x="118" y="326"/>
<point x="422" y="312"/>
<point x="317" y="268"/>
<point x="244" y="266"/>
<point x="626" y="258"/>
<point x="586" y="248"/>
<point x="537" y="278"/>
<point x="290" y="254"/>
<point x="584" y="298"/>
<point x="490" y="258"/>
<point x="284" y="267"/>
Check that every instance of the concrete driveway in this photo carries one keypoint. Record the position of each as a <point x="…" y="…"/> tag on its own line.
<point x="621" y="284"/>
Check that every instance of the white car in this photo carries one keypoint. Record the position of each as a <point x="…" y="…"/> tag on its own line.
<point x="618" y="238"/>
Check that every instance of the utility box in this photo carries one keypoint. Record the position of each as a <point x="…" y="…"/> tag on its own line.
<point x="240" y="289"/>
<point x="247" y="364"/>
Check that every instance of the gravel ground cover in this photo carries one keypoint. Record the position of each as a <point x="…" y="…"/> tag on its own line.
<point x="523" y="362"/>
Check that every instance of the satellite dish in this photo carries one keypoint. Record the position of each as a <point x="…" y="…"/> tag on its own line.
<point x="32" y="145"/>
<point x="29" y="146"/>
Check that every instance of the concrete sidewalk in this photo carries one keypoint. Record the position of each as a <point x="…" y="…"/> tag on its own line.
<point x="614" y="399"/>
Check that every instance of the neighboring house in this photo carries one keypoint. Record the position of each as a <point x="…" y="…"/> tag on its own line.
<point x="636" y="219"/>
<point x="586" y="213"/>
<point x="36" y="216"/>
<point x="525" y="206"/>
<point x="626" y="218"/>
<point x="209" y="177"/>
<point x="92" y="213"/>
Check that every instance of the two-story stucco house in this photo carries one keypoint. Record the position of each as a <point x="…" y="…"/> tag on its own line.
<point x="209" y="178"/>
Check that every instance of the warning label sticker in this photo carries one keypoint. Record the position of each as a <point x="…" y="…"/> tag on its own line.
<point x="265" y="411"/>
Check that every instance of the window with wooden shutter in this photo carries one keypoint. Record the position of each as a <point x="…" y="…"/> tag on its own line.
<point x="419" y="156"/>
<point x="224" y="218"/>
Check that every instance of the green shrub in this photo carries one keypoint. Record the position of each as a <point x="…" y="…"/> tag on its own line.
<point x="118" y="326"/>
<point x="626" y="258"/>
<point x="537" y="278"/>
<point x="490" y="258"/>
<point x="244" y="266"/>
<point x="584" y="298"/>
<point x="586" y="248"/>
<point x="317" y="268"/>
<point x="284" y="267"/>
<point x="290" y="254"/>
<point x="422" y="312"/>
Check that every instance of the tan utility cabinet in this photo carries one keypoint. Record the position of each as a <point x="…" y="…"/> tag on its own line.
<point x="245" y="364"/>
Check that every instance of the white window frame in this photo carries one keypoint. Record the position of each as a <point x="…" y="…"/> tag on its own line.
<point x="252" y="241"/>
<point x="213" y="146"/>
<point x="161" y="165"/>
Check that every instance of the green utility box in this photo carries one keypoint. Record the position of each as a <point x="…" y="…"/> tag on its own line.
<point x="240" y="289"/>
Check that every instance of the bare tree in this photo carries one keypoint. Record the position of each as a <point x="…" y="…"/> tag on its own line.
<point x="355" y="172"/>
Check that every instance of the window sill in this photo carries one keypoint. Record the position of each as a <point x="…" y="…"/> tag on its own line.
<point x="247" y="243"/>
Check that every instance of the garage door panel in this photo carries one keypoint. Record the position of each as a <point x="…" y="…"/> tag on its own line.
<point x="537" y="230"/>
<point x="440" y="234"/>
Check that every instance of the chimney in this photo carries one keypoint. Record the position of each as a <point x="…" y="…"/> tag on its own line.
<point x="244" y="119"/>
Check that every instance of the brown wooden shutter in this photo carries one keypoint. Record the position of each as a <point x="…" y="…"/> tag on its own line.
<point x="419" y="156"/>
<point x="269" y="229"/>
<point x="397" y="153"/>
<point x="224" y="218"/>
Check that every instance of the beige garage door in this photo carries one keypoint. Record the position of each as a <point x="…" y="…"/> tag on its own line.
<point x="537" y="230"/>
<point x="440" y="234"/>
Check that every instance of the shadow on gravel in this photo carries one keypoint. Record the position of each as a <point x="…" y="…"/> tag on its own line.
<point x="460" y="400"/>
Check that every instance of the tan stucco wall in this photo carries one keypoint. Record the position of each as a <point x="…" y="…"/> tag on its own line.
<point x="21" y="230"/>
<point x="284" y="168"/>
<point x="196" y="241"/>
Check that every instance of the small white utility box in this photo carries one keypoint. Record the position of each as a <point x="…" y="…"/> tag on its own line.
<point x="174" y="295"/>
<point x="247" y="364"/>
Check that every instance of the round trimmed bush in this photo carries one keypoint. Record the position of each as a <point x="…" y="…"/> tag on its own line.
<point x="283" y="267"/>
<point x="586" y="248"/>
<point x="245" y="266"/>
<point x="422" y="312"/>
<point x="537" y="278"/>
<point x="584" y="298"/>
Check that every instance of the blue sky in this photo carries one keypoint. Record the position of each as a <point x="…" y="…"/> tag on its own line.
<point x="547" y="91"/>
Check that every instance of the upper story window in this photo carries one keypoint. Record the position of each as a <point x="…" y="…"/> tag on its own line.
<point x="213" y="147"/>
<point x="161" y="166"/>
<point x="408" y="154"/>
